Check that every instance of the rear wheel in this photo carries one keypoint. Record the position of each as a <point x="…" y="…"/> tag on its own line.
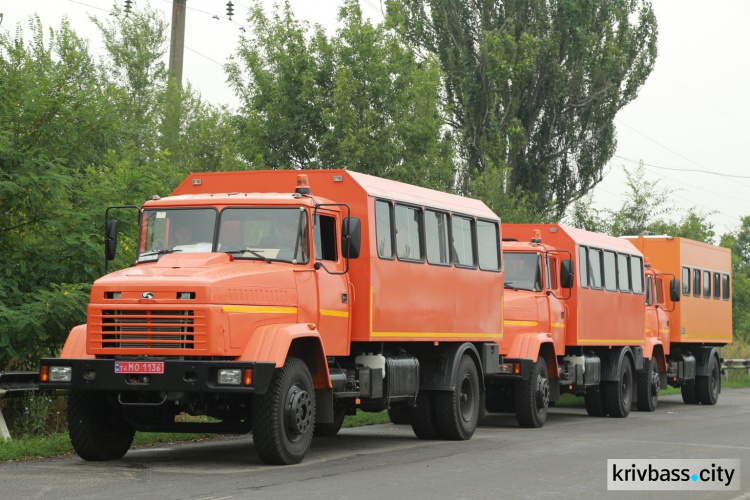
<point x="284" y="417"/>
<point x="457" y="411"/>
<point x="648" y="387"/>
<point x="400" y="415"/>
<point x="532" y="397"/>
<point x="619" y="395"/>
<point x="707" y="388"/>
<point x="689" y="396"/>
<point x="595" y="402"/>
<point x="96" y="431"/>
<point x="423" y="416"/>
<point x="333" y="428"/>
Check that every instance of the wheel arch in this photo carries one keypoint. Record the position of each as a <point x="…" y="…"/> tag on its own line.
<point x="438" y="373"/>
<point x="275" y="343"/>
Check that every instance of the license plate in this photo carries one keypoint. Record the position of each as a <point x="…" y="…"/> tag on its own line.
<point x="139" y="366"/>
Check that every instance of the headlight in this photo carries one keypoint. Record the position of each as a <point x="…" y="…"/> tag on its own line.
<point x="60" y="373"/>
<point x="230" y="376"/>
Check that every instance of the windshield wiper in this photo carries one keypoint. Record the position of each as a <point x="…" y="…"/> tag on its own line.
<point x="249" y="250"/>
<point x="509" y="284"/>
<point x="158" y="252"/>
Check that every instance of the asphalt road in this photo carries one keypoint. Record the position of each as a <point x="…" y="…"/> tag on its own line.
<point x="565" y="459"/>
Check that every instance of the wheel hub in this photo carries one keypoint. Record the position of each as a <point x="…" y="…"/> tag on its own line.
<point x="542" y="392"/>
<point x="297" y="411"/>
<point x="466" y="403"/>
<point x="655" y="384"/>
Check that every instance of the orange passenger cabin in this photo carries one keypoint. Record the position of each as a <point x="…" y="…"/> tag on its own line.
<point x="430" y="264"/>
<point x="704" y="312"/>
<point x="606" y="303"/>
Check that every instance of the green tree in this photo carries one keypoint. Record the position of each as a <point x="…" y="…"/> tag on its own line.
<point x="360" y="100"/>
<point x="534" y="87"/>
<point x="56" y="118"/>
<point x="739" y="243"/>
<point x="647" y="209"/>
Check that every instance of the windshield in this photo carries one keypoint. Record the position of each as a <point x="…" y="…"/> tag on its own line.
<point x="523" y="271"/>
<point x="176" y="230"/>
<point x="264" y="233"/>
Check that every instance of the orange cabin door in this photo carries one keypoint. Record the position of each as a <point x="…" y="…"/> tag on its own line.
<point x="334" y="296"/>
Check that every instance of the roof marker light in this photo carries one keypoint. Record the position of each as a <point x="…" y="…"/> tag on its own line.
<point x="303" y="184"/>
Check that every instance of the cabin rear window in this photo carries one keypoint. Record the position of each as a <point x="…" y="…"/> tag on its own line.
<point x="636" y="273"/>
<point x="487" y="245"/>
<point x="725" y="287"/>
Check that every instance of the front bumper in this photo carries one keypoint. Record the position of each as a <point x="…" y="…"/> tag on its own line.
<point x="178" y="376"/>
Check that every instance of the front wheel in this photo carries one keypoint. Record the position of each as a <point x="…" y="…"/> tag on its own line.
<point x="96" y="430"/>
<point x="532" y="397"/>
<point x="283" y="418"/>
<point x="648" y="387"/>
<point x="707" y="388"/>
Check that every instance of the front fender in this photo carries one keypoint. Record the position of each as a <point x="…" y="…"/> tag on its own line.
<point x="530" y="345"/>
<point x="274" y="343"/>
<point x="75" y="345"/>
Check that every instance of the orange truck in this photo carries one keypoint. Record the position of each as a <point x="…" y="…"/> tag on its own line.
<point x="583" y="315"/>
<point x="683" y="337"/>
<point x="277" y="302"/>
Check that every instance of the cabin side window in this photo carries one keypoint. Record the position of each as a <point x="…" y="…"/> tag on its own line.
<point x="610" y="271"/>
<point x="623" y="272"/>
<point x="408" y="233"/>
<point x="436" y="238"/>
<point x="384" y="229"/>
<point x="686" y="281"/>
<point x="462" y="230"/>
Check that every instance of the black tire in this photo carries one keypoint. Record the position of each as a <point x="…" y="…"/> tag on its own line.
<point x="423" y="416"/>
<point x="457" y="411"/>
<point x="619" y="395"/>
<point x="689" y="396"/>
<point x="595" y="401"/>
<point x="283" y="418"/>
<point x="648" y="387"/>
<point x="400" y="415"/>
<point x="328" y="430"/>
<point x="532" y="397"/>
<point x="707" y="388"/>
<point x="96" y="430"/>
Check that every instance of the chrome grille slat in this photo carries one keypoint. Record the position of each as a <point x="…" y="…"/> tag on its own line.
<point x="147" y="329"/>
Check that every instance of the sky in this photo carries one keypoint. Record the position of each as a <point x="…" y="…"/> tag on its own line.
<point x="688" y="125"/>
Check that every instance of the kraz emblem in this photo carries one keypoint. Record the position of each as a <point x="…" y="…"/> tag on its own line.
<point x="148" y="295"/>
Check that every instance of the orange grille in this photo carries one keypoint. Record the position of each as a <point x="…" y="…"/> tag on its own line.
<point x="148" y="329"/>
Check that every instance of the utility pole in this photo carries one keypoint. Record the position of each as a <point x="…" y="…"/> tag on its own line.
<point x="177" y="45"/>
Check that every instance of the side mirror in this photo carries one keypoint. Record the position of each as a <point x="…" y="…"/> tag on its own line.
<point x="567" y="273"/>
<point x="674" y="290"/>
<point x="351" y="237"/>
<point x="110" y="240"/>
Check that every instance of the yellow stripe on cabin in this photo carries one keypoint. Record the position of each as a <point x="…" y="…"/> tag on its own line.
<point x="260" y="309"/>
